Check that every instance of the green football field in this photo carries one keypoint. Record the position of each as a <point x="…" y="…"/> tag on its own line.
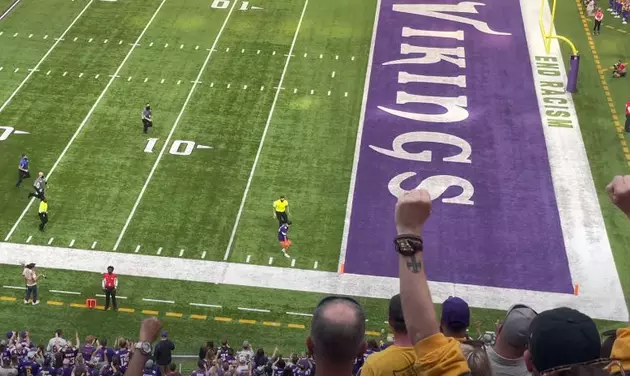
<point x="273" y="93"/>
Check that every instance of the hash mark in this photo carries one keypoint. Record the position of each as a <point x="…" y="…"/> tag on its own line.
<point x="46" y="36"/>
<point x="151" y="44"/>
<point x="30" y="36"/>
<point x="244" y="87"/>
<point x="128" y="78"/>
<point x="146" y="79"/>
<point x="16" y="70"/>
<point x="181" y="47"/>
<point x="333" y="74"/>
<point x="181" y="253"/>
<point x="71" y="243"/>
<point x="64" y="74"/>
<point x="211" y="84"/>
<point x="50" y="241"/>
<point x="315" y="265"/>
<point x="80" y="75"/>
<point x="203" y="255"/>
<point x="48" y="73"/>
<point x="120" y="42"/>
<point x="293" y="263"/>
<point x="196" y="48"/>
<point x="352" y="58"/>
<point x="159" y="251"/>
<point x="228" y="85"/>
<point x="1" y="32"/>
<point x="166" y="45"/>
<point x="97" y="76"/>
<point x="90" y="41"/>
<point x="262" y="88"/>
<point x="162" y="81"/>
<point x="329" y="93"/>
<point x="321" y="56"/>
<point x="305" y="54"/>
<point x="345" y="94"/>
<point x="28" y="240"/>
<point x="15" y="35"/>
<point x="105" y="41"/>
<point x="243" y="51"/>
<point x="270" y="260"/>
<point x="227" y="49"/>
<point x="294" y="90"/>
<point x="75" y="39"/>
<point x="179" y="82"/>
<point x="312" y="91"/>
<point x="1" y="68"/>
<point x="336" y="57"/>
<point x="249" y="257"/>
<point x="274" y="52"/>
<point x="258" y="52"/>
<point x="93" y="245"/>
<point x="137" y="248"/>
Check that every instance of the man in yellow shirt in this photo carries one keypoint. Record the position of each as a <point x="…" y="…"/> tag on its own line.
<point x="397" y="359"/>
<point x="281" y="210"/>
<point x="43" y="213"/>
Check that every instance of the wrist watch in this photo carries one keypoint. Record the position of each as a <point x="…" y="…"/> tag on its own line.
<point x="408" y="245"/>
<point x="144" y="347"/>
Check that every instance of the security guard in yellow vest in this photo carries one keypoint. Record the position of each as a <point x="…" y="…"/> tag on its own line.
<point x="43" y="213"/>
<point x="281" y="210"/>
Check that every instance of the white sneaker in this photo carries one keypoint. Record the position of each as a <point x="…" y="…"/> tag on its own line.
<point x="36" y="303"/>
<point x="286" y="254"/>
<point x="25" y="301"/>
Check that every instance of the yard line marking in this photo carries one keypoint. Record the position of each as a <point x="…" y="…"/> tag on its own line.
<point x="224" y="319"/>
<point x="97" y="76"/>
<point x="65" y="292"/>
<point x="244" y="87"/>
<point x="159" y="251"/>
<point x="14" y="287"/>
<point x="312" y="91"/>
<point x="162" y="81"/>
<point x="181" y="253"/>
<point x="151" y="44"/>
<point x="137" y="248"/>
<point x="199" y="317"/>
<point x="315" y="265"/>
<point x="105" y="41"/>
<point x="166" y="45"/>
<point x="243" y="51"/>
<point x="245" y="321"/>
<point x="205" y="305"/>
<point x="299" y="314"/>
<point x="293" y="263"/>
<point x="228" y="85"/>
<point x="181" y="47"/>
<point x="196" y="82"/>
<point x="28" y="240"/>
<point x="71" y="243"/>
<point x="94" y="245"/>
<point x="146" y="79"/>
<point x="59" y="39"/>
<point x="158" y="301"/>
<point x="333" y="74"/>
<point x="197" y="47"/>
<point x="9" y="10"/>
<point x="357" y="147"/>
<point x="264" y="135"/>
<point x="253" y="309"/>
<point x="75" y="39"/>
<point x="170" y="134"/>
<point x="90" y="41"/>
<point x="50" y="241"/>
<point x="30" y="36"/>
<point x="249" y="257"/>
<point x="203" y="255"/>
<point x="4" y="105"/>
<point x="117" y="296"/>
<point x="321" y="56"/>
<point x="46" y="36"/>
<point x="114" y="75"/>
<point x="270" y="260"/>
<point x="36" y="70"/>
<point x="54" y="302"/>
<point x="129" y="79"/>
<point x="294" y="90"/>
<point x="80" y="75"/>
<point x="179" y="82"/>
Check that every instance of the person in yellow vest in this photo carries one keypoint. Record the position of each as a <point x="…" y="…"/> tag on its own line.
<point x="43" y="213"/>
<point x="281" y="210"/>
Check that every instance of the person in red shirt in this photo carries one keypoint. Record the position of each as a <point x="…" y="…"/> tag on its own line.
<point x="619" y="70"/>
<point x="599" y="16"/>
<point x="110" y="284"/>
<point x="628" y="116"/>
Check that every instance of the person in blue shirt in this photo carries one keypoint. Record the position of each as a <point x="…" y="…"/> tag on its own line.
<point x="46" y="370"/>
<point x="28" y="367"/>
<point x="283" y="237"/>
<point x="22" y="171"/>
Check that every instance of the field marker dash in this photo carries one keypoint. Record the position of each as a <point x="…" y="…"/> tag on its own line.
<point x="227" y="49"/>
<point x="305" y="54"/>
<point x="93" y="245"/>
<point x="65" y="292"/>
<point x="321" y="56"/>
<point x="243" y="51"/>
<point x="159" y="251"/>
<point x="46" y="36"/>
<point x="333" y="74"/>
<point x="181" y="47"/>
<point x="162" y="81"/>
<point x="244" y="87"/>
<point x="329" y="93"/>
<point x="315" y="265"/>
<point x="28" y="240"/>
<point x="274" y="52"/>
<point x="264" y="135"/>
<point x="97" y="76"/>
<point x="312" y="91"/>
<point x="1" y="32"/>
<point x="352" y="58"/>
<point x="166" y="45"/>
<point x="203" y="255"/>
<point x="181" y="252"/>
<point x="90" y="40"/>
<point x="30" y="36"/>
<point x="16" y="70"/>
<point x="129" y="78"/>
<point x="336" y="57"/>
<point x="4" y="105"/>
<point x="151" y="44"/>
<point x="71" y="243"/>
<point x="75" y="39"/>
<point x="3" y="68"/>
<point x="117" y="296"/>
<point x="120" y="42"/>
<point x="211" y="84"/>
<point x="299" y="314"/>
<point x="197" y="47"/>
<point x="50" y="241"/>
<point x="14" y="287"/>
<point x="179" y="82"/>
<point x="158" y="301"/>
<point x="258" y="52"/>
<point x="61" y="39"/>
<point x="270" y="260"/>
<point x="15" y="35"/>
<point x="105" y="41"/>
<point x="293" y="263"/>
<point x="36" y="70"/>
<point x="137" y="248"/>
<point x="228" y="85"/>
<point x="146" y="79"/>
<point x="295" y="91"/>
<point x="253" y="309"/>
<point x="249" y="257"/>
<point x="345" y="94"/>
<point x="80" y="75"/>
<point x="205" y="305"/>
<point x="262" y="88"/>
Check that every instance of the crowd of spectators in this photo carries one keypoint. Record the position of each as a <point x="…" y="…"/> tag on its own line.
<point x="560" y="341"/>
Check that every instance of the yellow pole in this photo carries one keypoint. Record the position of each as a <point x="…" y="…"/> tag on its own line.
<point x="548" y="35"/>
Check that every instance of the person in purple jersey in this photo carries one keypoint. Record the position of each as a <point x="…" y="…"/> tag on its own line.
<point x="278" y="367"/>
<point x="28" y="366"/>
<point x="302" y="370"/>
<point x="201" y="369"/>
<point x="5" y="354"/>
<point x="230" y="358"/>
<point x="46" y="370"/>
<point x="70" y="352"/>
<point x="25" y="340"/>
<point x="19" y="351"/>
<point x="123" y="354"/>
<point x="66" y="368"/>
<point x="372" y="347"/>
<point x="112" y="369"/>
<point x="104" y="353"/>
<point x="223" y="350"/>
<point x="88" y="348"/>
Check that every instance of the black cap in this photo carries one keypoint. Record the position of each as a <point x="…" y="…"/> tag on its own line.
<point x="561" y="337"/>
<point x="31" y="265"/>
<point x="396" y="317"/>
<point x="110" y="267"/>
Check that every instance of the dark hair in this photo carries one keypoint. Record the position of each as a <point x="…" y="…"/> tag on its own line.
<point x="116" y="360"/>
<point x="337" y="342"/>
<point x="80" y="371"/>
<point x="372" y="344"/>
<point x="259" y="358"/>
<point x="173" y="366"/>
<point x="607" y="345"/>
<point x="103" y="342"/>
<point x="200" y="364"/>
<point x="224" y="342"/>
<point x="230" y="351"/>
<point x="281" y="363"/>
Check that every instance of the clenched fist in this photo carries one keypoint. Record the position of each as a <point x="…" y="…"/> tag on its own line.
<point x="149" y="329"/>
<point x="619" y="192"/>
<point x="412" y="211"/>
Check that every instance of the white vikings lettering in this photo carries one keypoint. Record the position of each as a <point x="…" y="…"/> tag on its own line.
<point x="398" y="150"/>
<point x="436" y="186"/>
<point x="454" y="106"/>
<point x="440" y="11"/>
<point x="432" y="55"/>
<point x="411" y="32"/>
<point x="405" y="78"/>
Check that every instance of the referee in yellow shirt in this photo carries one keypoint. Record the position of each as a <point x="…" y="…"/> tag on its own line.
<point x="281" y="210"/>
<point x="43" y="213"/>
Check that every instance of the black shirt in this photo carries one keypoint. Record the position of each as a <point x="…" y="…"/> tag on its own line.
<point x="163" y="352"/>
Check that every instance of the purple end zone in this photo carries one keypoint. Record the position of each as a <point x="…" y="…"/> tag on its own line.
<point x="507" y="234"/>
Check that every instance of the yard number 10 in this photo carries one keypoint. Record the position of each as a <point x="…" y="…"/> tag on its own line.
<point x="189" y="146"/>
<point x="223" y="4"/>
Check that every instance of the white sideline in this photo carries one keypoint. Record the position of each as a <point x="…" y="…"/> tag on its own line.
<point x="3" y="15"/>
<point x="264" y="135"/>
<point x="357" y="147"/>
<point x="170" y="134"/>
<point x="87" y="117"/>
<point x="594" y="304"/>
<point x="28" y="76"/>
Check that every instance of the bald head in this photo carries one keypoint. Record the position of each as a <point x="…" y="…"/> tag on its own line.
<point x="338" y="331"/>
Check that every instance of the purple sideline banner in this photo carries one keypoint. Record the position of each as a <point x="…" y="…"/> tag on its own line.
<point x="452" y="108"/>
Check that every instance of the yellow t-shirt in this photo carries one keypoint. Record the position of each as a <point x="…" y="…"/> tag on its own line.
<point x="394" y="360"/>
<point x="280" y="206"/>
<point x="43" y="207"/>
<point x="438" y="355"/>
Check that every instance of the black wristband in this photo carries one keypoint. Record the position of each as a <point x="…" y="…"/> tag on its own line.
<point x="408" y="245"/>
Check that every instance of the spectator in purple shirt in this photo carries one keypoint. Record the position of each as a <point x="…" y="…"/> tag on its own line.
<point x="19" y="351"/>
<point x="150" y="369"/>
<point x="28" y="367"/>
<point x="70" y="353"/>
<point x="88" y="348"/>
<point x="123" y="354"/>
<point x="5" y="354"/>
<point x="278" y="367"/>
<point x="104" y="353"/>
<point x="66" y="369"/>
<point x="46" y="370"/>
<point x="223" y="350"/>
